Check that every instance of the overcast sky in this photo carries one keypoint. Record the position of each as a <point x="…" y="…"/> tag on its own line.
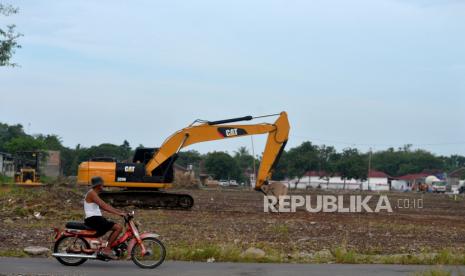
<point x="349" y="73"/>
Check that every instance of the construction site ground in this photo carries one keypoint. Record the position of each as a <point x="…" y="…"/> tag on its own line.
<point x="225" y="222"/>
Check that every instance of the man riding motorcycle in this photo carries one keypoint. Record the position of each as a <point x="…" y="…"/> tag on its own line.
<point x="94" y="218"/>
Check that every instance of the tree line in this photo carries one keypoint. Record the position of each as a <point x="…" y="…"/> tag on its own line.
<point x="8" y="37"/>
<point x="349" y="163"/>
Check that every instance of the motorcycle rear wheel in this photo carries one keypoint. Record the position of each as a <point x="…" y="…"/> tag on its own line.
<point x="64" y="242"/>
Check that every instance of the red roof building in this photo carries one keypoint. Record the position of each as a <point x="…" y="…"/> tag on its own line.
<point x="319" y="173"/>
<point x="413" y="176"/>
<point x="378" y="174"/>
<point x="372" y="174"/>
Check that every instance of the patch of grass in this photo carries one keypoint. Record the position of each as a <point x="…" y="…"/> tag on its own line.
<point x="13" y="253"/>
<point x="37" y="224"/>
<point x="21" y="193"/>
<point x="402" y="259"/>
<point x="319" y="259"/>
<point x="280" y="229"/>
<point x="20" y="211"/>
<point x="446" y="256"/>
<point x="47" y="179"/>
<point x="202" y="252"/>
<point x="373" y="250"/>
<point x="434" y="272"/>
<point x="71" y="215"/>
<point x="344" y="256"/>
<point x="5" y="179"/>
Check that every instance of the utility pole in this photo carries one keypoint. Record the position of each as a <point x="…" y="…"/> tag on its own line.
<point x="369" y="169"/>
<point x="254" y="170"/>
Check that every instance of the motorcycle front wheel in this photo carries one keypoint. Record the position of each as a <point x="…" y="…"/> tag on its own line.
<point x="154" y="256"/>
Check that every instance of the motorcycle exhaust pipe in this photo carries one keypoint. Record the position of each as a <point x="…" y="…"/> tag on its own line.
<point x="67" y="255"/>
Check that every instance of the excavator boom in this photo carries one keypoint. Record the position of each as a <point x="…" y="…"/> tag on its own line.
<point x="210" y="131"/>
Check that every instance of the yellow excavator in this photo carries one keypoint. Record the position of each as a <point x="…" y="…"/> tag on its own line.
<point x="151" y="169"/>
<point x="27" y="168"/>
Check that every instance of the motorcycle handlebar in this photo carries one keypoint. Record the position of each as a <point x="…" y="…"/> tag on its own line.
<point x="128" y="216"/>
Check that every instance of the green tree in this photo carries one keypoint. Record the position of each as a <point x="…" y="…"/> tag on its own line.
<point x="189" y="157"/>
<point x="121" y="152"/>
<point x="50" y="142"/>
<point x="453" y="162"/>
<point x="422" y="160"/>
<point x="404" y="161"/>
<point x="245" y="161"/>
<point x="221" y="165"/>
<point x="388" y="161"/>
<point x="126" y="151"/>
<point x="327" y="160"/>
<point x="352" y="165"/>
<point x="8" y="37"/>
<point x="24" y="143"/>
<point x="69" y="160"/>
<point x="302" y="159"/>
<point x="281" y="171"/>
<point x="8" y="132"/>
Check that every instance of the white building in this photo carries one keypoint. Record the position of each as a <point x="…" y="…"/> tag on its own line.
<point x="314" y="179"/>
<point x="408" y="182"/>
<point x="7" y="167"/>
<point x="377" y="181"/>
<point x="399" y="185"/>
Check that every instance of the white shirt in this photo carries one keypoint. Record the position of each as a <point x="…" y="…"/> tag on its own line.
<point x="91" y="209"/>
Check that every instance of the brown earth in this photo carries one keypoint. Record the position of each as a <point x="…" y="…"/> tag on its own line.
<point x="236" y="217"/>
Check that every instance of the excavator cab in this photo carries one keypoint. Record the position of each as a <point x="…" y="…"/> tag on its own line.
<point x="135" y="171"/>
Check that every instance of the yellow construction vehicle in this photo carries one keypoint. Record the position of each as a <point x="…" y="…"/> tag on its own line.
<point x="27" y="168"/>
<point x="151" y="169"/>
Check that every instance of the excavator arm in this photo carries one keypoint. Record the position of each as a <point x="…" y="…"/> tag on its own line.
<point x="278" y="133"/>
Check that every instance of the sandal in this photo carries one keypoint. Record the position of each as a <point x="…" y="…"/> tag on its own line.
<point x="107" y="256"/>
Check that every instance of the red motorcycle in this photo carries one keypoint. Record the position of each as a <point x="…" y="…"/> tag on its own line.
<point x="78" y="243"/>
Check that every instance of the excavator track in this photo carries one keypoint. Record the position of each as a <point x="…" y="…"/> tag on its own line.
<point x="148" y="199"/>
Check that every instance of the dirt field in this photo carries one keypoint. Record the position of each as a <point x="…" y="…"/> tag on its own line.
<point x="230" y="215"/>
<point x="235" y="218"/>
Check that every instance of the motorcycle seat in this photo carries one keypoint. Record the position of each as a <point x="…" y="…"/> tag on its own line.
<point x="77" y="225"/>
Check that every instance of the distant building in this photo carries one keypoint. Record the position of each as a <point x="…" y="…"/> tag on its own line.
<point x="323" y="180"/>
<point x="409" y="181"/>
<point x="52" y="165"/>
<point x="377" y="181"/>
<point x="208" y="181"/>
<point x="453" y="179"/>
<point x="181" y="169"/>
<point x="7" y="167"/>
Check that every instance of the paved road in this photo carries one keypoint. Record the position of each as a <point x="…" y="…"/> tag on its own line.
<point x="41" y="266"/>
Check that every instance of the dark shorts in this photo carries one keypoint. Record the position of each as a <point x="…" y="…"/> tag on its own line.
<point x="99" y="223"/>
